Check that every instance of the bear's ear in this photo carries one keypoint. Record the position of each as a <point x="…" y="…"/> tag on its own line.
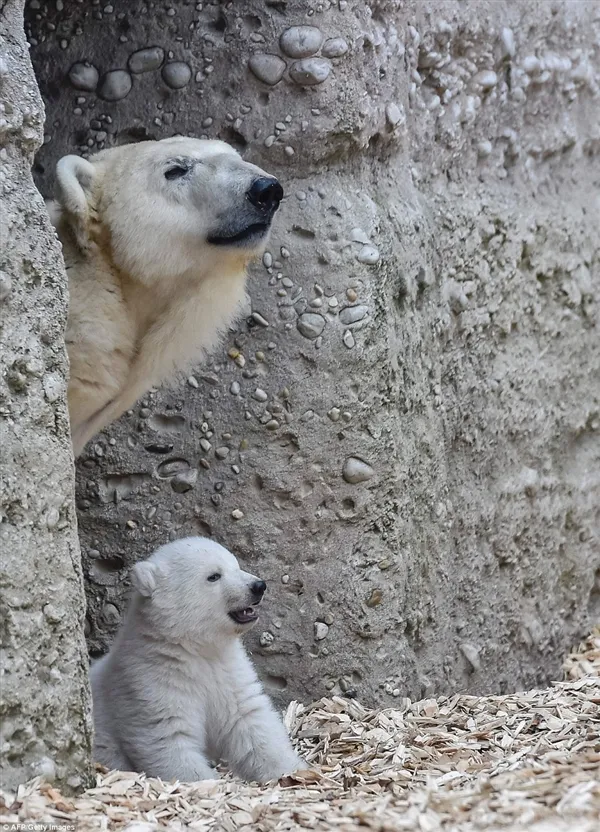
<point x="144" y="577"/>
<point x="74" y="178"/>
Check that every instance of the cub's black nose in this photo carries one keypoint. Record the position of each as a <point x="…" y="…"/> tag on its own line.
<point x="258" y="589"/>
<point x="265" y="194"/>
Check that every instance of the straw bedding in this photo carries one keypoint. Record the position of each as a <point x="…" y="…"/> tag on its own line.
<point x="525" y="761"/>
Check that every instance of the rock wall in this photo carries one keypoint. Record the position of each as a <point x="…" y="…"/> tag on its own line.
<point x="402" y="434"/>
<point x="44" y="697"/>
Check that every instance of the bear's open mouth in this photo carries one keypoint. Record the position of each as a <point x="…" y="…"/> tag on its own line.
<point x="246" y="616"/>
<point x="251" y="233"/>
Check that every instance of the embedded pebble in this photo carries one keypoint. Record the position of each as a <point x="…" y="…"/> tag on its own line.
<point x="348" y="339"/>
<point x="222" y="452"/>
<point x="185" y="481"/>
<point x="393" y="114"/>
<point x="266" y="639"/>
<point x="256" y="316"/>
<point x="471" y="654"/>
<point x="115" y="85"/>
<point x="321" y="630"/>
<point x="357" y="235"/>
<point x="146" y="60"/>
<point x="267" y="68"/>
<point x="507" y="41"/>
<point x="353" y="314"/>
<point x="375" y="598"/>
<point x="176" y="74"/>
<point x="351" y="295"/>
<point x="486" y="79"/>
<point x="237" y="514"/>
<point x="52" y="518"/>
<point x="368" y="255"/>
<point x="300" y="306"/>
<point x="260" y="395"/>
<point x="272" y="424"/>
<point x="84" y="76"/>
<point x="355" y="470"/>
<point x="301" y="41"/>
<point x="205" y="445"/>
<point x="334" y="414"/>
<point x="311" y="325"/>
<point x="532" y="65"/>
<point x="234" y="388"/>
<point x="484" y="149"/>
<point x="310" y="71"/>
<point x="334" y="48"/>
<point x="53" y="386"/>
<point x="267" y="259"/>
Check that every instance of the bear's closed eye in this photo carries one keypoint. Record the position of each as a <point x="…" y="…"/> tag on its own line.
<point x="214" y="577"/>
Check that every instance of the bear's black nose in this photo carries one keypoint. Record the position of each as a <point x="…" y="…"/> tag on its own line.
<point x="258" y="589"/>
<point x="265" y="194"/>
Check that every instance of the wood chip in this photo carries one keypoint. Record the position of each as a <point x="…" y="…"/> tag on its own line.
<point x="527" y="760"/>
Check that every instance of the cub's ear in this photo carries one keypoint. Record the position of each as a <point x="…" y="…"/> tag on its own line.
<point x="144" y="577"/>
<point x="74" y="178"/>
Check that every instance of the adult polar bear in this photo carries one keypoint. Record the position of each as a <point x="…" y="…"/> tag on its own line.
<point x="156" y="239"/>
<point x="177" y="687"/>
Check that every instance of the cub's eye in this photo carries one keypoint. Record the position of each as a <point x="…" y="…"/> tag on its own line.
<point x="214" y="577"/>
<point x="176" y="172"/>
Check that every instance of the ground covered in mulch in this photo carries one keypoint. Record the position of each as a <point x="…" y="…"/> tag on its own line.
<point x="526" y="762"/>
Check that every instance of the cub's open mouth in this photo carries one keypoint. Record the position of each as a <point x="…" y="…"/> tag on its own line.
<point x="247" y="616"/>
<point x="252" y="233"/>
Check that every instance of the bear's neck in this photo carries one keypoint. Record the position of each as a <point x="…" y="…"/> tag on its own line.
<point x="189" y="295"/>
<point x="141" y="635"/>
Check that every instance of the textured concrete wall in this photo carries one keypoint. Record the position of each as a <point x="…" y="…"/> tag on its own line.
<point x="44" y="698"/>
<point x="402" y="436"/>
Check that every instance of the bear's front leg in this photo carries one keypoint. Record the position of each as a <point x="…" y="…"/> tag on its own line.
<point x="169" y="752"/>
<point x="179" y="761"/>
<point x="255" y="742"/>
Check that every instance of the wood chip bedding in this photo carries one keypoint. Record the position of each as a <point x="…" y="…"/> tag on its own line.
<point x="526" y="761"/>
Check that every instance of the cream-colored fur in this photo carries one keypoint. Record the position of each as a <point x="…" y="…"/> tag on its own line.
<point x="156" y="260"/>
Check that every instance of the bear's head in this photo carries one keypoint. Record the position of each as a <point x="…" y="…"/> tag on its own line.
<point x="175" y="208"/>
<point x="193" y="591"/>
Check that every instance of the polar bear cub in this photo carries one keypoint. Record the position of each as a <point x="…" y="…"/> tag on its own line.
<point x="177" y="688"/>
<point x="156" y="239"/>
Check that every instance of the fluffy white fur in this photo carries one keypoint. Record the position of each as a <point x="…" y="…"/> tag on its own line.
<point x="149" y="292"/>
<point x="177" y="688"/>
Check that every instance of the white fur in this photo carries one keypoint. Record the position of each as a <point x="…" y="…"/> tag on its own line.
<point x="149" y="294"/>
<point x="177" y="688"/>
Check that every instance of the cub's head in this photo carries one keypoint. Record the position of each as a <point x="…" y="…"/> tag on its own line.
<point x="193" y="590"/>
<point x="170" y="208"/>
